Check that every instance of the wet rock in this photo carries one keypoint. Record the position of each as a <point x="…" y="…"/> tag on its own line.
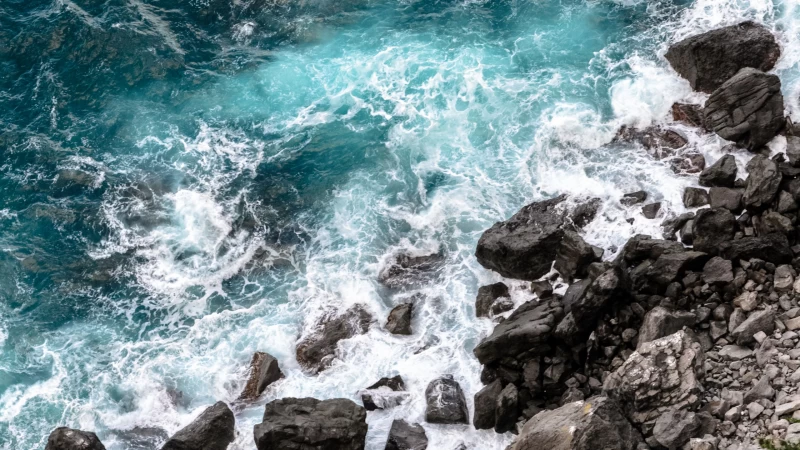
<point x="660" y="322"/>
<point x="445" y="402"/>
<point x="506" y="409"/>
<point x="661" y="374"/>
<point x="730" y="199"/>
<point x="746" y="109"/>
<point x="650" y="211"/>
<point x="755" y="322"/>
<point x="386" y="393"/>
<point x="673" y="225"/>
<point x="596" y="423"/>
<point x="485" y="404"/>
<point x="64" y="438"/>
<point x="718" y="271"/>
<point x="720" y="174"/>
<point x="689" y="114"/>
<point x="687" y="233"/>
<point x="524" y="246"/>
<point x="668" y="268"/>
<point x="772" y="248"/>
<point x="633" y="198"/>
<point x="211" y="430"/>
<point x="711" y="228"/>
<point x="542" y="289"/>
<point x="406" y="436"/>
<point x="404" y="269"/>
<point x="573" y="256"/>
<point x="487" y="295"/>
<point x="688" y="162"/>
<point x="793" y="150"/>
<point x="658" y="141"/>
<point x="528" y="329"/>
<point x="582" y="312"/>
<point x="316" y="351"/>
<point x="708" y="60"/>
<point x="264" y="370"/>
<point x="694" y="197"/>
<point x="308" y="423"/>
<point x="762" y="183"/>
<point x="399" y="321"/>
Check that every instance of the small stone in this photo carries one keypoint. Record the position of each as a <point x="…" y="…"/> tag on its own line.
<point x="754" y="410"/>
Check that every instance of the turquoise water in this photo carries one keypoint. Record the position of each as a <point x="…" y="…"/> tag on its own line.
<point x="185" y="183"/>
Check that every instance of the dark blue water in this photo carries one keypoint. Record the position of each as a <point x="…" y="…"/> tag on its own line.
<point x="183" y="183"/>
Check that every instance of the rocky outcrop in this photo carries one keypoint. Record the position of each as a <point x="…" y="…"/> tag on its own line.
<point x="746" y="109"/>
<point x="596" y="423"/>
<point x="709" y="59"/>
<point x="445" y="402"/>
<point x="308" y="424"/>
<point x="403" y="269"/>
<point x="316" y="351"/>
<point x="213" y="429"/>
<point x="399" y="321"/>
<point x="264" y="370"/>
<point x="64" y="438"/>
<point x="406" y="436"/>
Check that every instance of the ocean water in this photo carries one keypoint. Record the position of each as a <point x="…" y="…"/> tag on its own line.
<point x="183" y="183"/>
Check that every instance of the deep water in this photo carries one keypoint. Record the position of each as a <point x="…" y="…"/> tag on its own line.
<point x="183" y="183"/>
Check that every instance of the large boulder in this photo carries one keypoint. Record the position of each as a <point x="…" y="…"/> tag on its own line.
<point x="264" y="370"/>
<point x="708" y="60"/>
<point x="660" y="322"/>
<point x="507" y="409"/>
<point x="487" y="295"/>
<point x="406" y="436"/>
<point x="720" y="174"/>
<point x="594" y="424"/>
<point x="445" y="402"/>
<point x="524" y="246"/>
<point x="311" y="424"/>
<point x="63" y="438"/>
<point x="747" y="109"/>
<point x="211" y="430"/>
<point x="316" y="351"/>
<point x="772" y="248"/>
<point x="485" y="405"/>
<point x="763" y="182"/>
<point x="711" y="227"/>
<point x="661" y="374"/>
<point x="527" y="330"/>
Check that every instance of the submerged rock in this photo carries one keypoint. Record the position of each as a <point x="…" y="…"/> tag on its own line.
<point x="308" y="423"/>
<point x="264" y="370"/>
<point x="211" y="430"/>
<point x="709" y="59"/>
<point x="445" y="402"/>
<point x="406" y="436"/>
<point x="399" y="321"/>
<point x="316" y="351"/>
<point x="64" y="438"/>
<point x="404" y="269"/>
<point x="386" y="393"/>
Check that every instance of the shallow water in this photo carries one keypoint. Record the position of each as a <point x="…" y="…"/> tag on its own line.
<point x="185" y="183"/>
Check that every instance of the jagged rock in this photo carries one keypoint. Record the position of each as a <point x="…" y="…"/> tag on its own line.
<point x="793" y="150"/>
<point x="582" y="312"/>
<point x="772" y="248"/>
<point x="406" y="436"/>
<point x="308" y="423"/>
<point x="762" y="183"/>
<point x="507" y="409"/>
<point x="660" y="374"/>
<point x="502" y="305"/>
<point x="651" y="210"/>
<point x="403" y="269"/>
<point x="642" y="247"/>
<point x="524" y="246"/>
<point x="747" y="109"/>
<point x="633" y="198"/>
<point x="730" y="199"/>
<point x="445" y="402"/>
<point x="528" y="329"/>
<point x="786" y="202"/>
<point x="773" y="222"/>
<point x="712" y="227"/>
<point x="211" y="430"/>
<point x="720" y="174"/>
<point x="596" y="423"/>
<point x="757" y="321"/>
<point x="487" y="295"/>
<point x="687" y="233"/>
<point x="573" y="256"/>
<point x="688" y="162"/>
<point x="669" y="267"/>
<point x="485" y="404"/>
<point x="660" y="322"/>
<point x="783" y="280"/>
<point x="386" y="393"/>
<point x="64" y="438"/>
<point x="542" y="289"/>
<point x="688" y="113"/>
<point x="399" y="321"/>
<point x="694" y="197"/>
<point x="708" y="60"/>
<point x="316" y="351"/>
<point x="672" y="225"/>
<point x="676" y="427"/>
<point x="660" y="141"/>
<point x="761" y="390"/>
<point x="718" y="271"/>
<point x="264" y="370"/>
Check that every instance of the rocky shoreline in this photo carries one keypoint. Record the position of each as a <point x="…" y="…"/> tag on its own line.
<point x="682" y="341"/>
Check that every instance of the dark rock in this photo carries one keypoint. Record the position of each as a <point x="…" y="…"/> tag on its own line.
<point x="772" y="248"/>
<point x="531" y="374"/>
<point x="687" y="233"/>
<point x="542" y="289"/>
<point x="650" y="211"/>
<point x="793" y="150"/>
<point x="211" y="430"/>
<point x="524" y="246"/>
<point x="642" y="247"/>
<point x="394" y="383"/>
<point x="384" y="394"/>
<point x="573" y="256"/>
<point x="661" y="142"/>
<point x="403" y="269"/>
<point x="671" y="267"/>
<point x="633" y="198"/>
<point x="596" y="423"/>
<point x="264" y="370"/>
<point x="688" y="113"/>
<point x="660" y="322"/>
<point x="406" y="436"/>
<point x="64" y="438"/>
<point x="583" y="312"/>
<point x="747" y="109"/>
<point x="399" y="321"/>
<point x="445" y="402"/>
<point x="786" y="202"/>
<point x="757" y="321"/>
<point x="507" y="409"/>
<point x="722" y="197"/>
<point x="501" y="305"/>
<point x="711" y="228"/>
<point x="709" y="59"/>
<point x="718" y="271"/>
<point x="762" y="184"/>
<point x="673" y="225"/>
<point x="688" y="162"/>
<point x="721" y="174"/>
<point x="487" y="295"/>
<point x="694" y="197"/>
<point x="485" y="404"/>
<point x="308" y="423"/>
<point x="773" y="222"/>
<point x="527" y="329"/>
<point x="316" y="351"/>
